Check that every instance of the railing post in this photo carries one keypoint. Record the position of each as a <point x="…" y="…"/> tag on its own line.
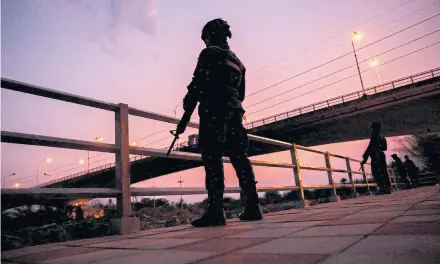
<point x="328" y="104"/>
<point x="432" y="73"/>
<point x="313" y="105"/>
<point x="125" y="224"/>
<point x="364" y="175"/>
<point x="298" y="178"/>
<point x="334" y="195"/>
<point x="350" y="177"/>
<point x="393" y="181"/>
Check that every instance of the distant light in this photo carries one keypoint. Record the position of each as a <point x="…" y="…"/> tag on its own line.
<point x="81" y="161"/>
<point x="17" y="185"/>
<point x="357" y="35"/>
<point x="48" y="160"/>
<point x="134" y="143"/>
<point x="99" y="138"/>
<point x="374" y="62"/>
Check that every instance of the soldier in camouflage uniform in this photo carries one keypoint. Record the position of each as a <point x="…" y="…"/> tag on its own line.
<point x="375" y="150"/>
<point x="218" y="85"/>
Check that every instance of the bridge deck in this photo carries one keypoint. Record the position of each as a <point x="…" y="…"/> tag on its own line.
<point x="400" y="228"/>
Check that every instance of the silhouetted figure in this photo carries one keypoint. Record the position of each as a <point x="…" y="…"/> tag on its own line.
<point x="412" y="171"/>
<point x="79" y="214"/>
<point x="375" y="150"/>
<point x="219" y="85"/>
<point x="400" y="168"/>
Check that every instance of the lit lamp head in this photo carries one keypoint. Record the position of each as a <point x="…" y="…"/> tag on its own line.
<point x="357" y="35"/>
<point x="48" y="160"/>
<point x="99" y="138"/>
<point x="374" y="62"/>
<point x="81" y="161"/>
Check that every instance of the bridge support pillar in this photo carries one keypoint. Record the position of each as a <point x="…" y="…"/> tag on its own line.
<point x="126" y="224"/>
<point x="303" y="203"/>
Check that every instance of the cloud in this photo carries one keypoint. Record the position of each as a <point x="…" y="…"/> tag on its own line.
<point x="111" y="20"/>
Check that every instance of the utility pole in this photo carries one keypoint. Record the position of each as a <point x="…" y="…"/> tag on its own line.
<point x="181" y="193"/>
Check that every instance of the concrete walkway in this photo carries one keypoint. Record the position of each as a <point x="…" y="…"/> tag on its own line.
<point x="400" y="228"/>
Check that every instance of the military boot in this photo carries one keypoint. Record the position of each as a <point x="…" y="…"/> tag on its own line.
<point x="252" y="210"/>
<point x="214" y="215"/>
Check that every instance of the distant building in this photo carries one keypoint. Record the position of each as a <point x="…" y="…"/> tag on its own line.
<point x="193" y="140"/>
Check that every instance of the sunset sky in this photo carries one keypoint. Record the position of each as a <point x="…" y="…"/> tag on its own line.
<point x="143" y="53"/>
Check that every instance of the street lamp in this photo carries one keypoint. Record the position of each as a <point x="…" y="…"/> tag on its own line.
<point x="374" y="62"/>
<point x="134" y="143"/>
<point x="48" y="160"/>
<point x="99" y="139"/>
<point x="357" y="35"/>
<point x="4" y="180"/>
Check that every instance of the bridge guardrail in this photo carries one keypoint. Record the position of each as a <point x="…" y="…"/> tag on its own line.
<point x="346" y="98"/>
<point x="122" y="149"/>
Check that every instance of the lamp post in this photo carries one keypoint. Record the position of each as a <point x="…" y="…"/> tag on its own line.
<point x="374" y="62"/>
<point x="4" y="180"/>
<point x="99" y="139"/>
<point x="357" y="35"/>
<point x="48" y="160"/>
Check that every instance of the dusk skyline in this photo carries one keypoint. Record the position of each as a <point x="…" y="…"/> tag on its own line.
<point x="143" y="53"/>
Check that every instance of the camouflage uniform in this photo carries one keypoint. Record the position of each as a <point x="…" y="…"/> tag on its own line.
<point x="219" y="85"/>
<point x="375" y="150"/>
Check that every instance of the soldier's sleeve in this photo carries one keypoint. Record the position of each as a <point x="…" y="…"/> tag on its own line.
<point x="242" y="87"/>
<point x="368" y="150"/>
<point x="200" y="77"/>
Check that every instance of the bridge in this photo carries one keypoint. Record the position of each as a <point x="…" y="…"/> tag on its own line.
<point x="335" y="120"/>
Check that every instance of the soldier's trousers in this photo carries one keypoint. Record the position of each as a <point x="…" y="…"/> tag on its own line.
<point x="221" y="136"/>
<point x="380" y="174"/>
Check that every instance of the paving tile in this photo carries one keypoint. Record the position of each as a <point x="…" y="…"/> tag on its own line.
<point x="172" y="234"/>
<point x="266" y="233"/>
<point x="417" y="218"/>
<point x="104" y="255"/>
<point x="426" y="206"/>
<point x="159" y="257"/>
<point x="211" y="232"/>
<point x="82" y="242"/>
<point x="342" y="230"/>
<point x="147" y="243"/>
<point x="222" y="244"/>
<point x="391" y="249"/>
<point x="423" y="212"/>
<point x="266" y="259"/>
<point x="29" y="250"/>
<point x="386" y="209"/>
<point x="286" y="224"/>
<point x="409" y="228"/>
<point x="367" y="220"/>
<point x="323" y="217"/>
<point x="304" y="245"/>
<point x="54" y="254"/>
<point x="371" y="215"/>
<point x="430" y="202"/>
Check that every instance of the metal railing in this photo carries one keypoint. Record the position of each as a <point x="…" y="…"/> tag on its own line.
<point x="122" y="149"/>
<point x="346" y="98"/>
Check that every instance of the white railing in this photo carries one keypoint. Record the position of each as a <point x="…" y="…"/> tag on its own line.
<point x="122" y="149"/>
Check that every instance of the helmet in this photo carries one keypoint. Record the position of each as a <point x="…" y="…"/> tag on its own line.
<point x="217" y="28"/>
<point x="376" y="126"/>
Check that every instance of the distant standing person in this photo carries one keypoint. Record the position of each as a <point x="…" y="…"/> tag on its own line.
<point x="412" y="171"/>
<point x="375" y="151"/>
<point x="400" y="168"/>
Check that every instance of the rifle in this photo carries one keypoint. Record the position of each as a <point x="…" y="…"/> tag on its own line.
<point x="180" y="128"/>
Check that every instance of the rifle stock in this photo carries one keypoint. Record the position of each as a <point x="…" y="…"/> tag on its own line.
<point x="180" y="128"/>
